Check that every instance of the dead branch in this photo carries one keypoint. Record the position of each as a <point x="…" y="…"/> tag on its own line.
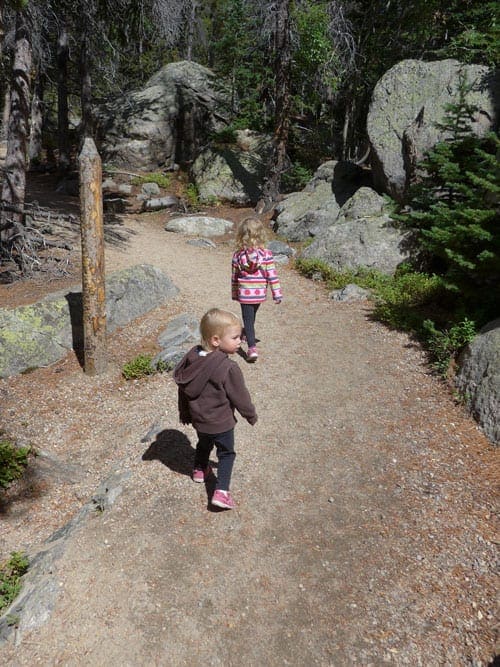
<point x="44" y="235"/>
<point x="111" y="170"/>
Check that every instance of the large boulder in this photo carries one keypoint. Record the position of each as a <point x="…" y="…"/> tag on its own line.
<point x="199" y="225"/>
<point x="44" y="332"/>
<point x="233" y="173"/>
<point x="181" y="333"/>
<point x="345" y="178"/>
<point x="407" y="105"/>
<point x="302" y="214"/>
<point x="363" y="236"/>
<point x="165" y="122"/>
<point x="306" y="214"/>
<point x="478" y="379"/>
<point x="297" y="216"/>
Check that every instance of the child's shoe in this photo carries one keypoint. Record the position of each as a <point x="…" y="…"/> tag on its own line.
<point x="201" y="475"/>
<point x="223" y="499"/>
<point x="252" y="354"/>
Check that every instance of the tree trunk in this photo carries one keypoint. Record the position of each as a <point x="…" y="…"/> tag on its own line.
<point x="86" y="83"/>
<point x="2" y="32"/>
<point x="190" y="31"/>
<point x="35" y="144"/>
<point x="62" y="99"/>
<point x="213" y="21"/>
<point x="93" y="284"/>
<point x="16" y="161"/>
<point x="282" y="56"/>
<point x="6" y="111"/>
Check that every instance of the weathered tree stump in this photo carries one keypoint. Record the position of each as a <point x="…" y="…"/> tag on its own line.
<point x="93" y="285"/>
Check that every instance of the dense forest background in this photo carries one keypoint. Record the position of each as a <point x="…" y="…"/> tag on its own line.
<point x="305" y="68"/>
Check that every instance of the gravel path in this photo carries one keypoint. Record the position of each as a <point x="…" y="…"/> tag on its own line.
<point x="364" y="532"/>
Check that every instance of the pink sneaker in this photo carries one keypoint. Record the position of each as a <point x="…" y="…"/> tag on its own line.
<point x="252" y="354"/>
<point x="201" y="475"/>
<point x="223" y="499"/>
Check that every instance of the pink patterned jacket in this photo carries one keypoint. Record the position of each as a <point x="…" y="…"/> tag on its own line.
<point x="252" y="271"/>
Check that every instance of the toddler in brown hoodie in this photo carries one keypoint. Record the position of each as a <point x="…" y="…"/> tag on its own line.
<point x="211" y="387"/>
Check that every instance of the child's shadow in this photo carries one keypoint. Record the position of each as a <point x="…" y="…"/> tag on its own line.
<point x="174" y="450"/>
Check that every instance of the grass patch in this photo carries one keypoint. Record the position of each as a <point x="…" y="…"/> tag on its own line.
<point x="162" y="180"/>
<point x="319" y="270"/>
<point x="316" y="269"/>
<point x="11" y="572"/>
<point x="13" y="461"/>
<point x="405" y="300"/>
<point x="142" y="366"/>
<point x="192" y="196"/>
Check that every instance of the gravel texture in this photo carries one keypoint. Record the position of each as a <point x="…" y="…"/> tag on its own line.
<point x="364" y="531"/>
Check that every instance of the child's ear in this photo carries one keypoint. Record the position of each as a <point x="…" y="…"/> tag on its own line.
<point x="215" y="341"/>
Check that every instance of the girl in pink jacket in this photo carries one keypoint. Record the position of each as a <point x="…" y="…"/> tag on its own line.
<point x="252" y="271"/>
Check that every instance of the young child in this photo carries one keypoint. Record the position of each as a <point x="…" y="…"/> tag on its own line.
<point x="252" y="271"/>
<point x="211" y="387"/>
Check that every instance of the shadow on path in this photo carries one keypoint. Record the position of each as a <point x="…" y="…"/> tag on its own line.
<point x="173" y="449"/>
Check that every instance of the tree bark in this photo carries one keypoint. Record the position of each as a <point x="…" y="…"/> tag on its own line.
<point x="93" y="284"/>
<point x="86" y="82"/>
<point x="191" y="29"/>
<point x="62" y="98"/>
<point x="282" y="57"/>
<point x="16" y="161"/>
<point x="35" y="143"/>
<point x="6" y="111"/>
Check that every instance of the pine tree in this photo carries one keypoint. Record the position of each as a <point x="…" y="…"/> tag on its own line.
<point x="455" y="207"/>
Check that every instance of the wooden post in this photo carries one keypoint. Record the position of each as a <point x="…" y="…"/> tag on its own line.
<point x="93" y="286"/>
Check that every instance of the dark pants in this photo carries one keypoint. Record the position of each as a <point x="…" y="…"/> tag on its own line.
<point x="249" y="313"/>
<point x="224" y="443"/>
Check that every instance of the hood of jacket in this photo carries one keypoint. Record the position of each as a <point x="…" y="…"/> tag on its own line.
<point x="195" y="371"/>
<point x="250" y="259"/>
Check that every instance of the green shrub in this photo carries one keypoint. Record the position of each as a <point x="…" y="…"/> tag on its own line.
<point x="445" y="345"/>
<point x="162" y="180"/>
<point x="13" y="461"/>
<point x="142" y="366"/>
<point x="319" y="270"/>
<point x="138" y="367"/>
<point x="296" y="178"/>
<point x="225" y="136"/>
<point x="10" y="577"/>
<point x="404" y="300"/>
<point x="192" y="195"/>
<point x="212" y="200"/>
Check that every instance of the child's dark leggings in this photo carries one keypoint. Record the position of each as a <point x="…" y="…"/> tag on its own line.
<point x="249" y="313"/>
<point x="224" y="443"/>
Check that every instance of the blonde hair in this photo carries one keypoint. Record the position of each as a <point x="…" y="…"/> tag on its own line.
<point x="251" y="233"/>
<point x="214" y="323"/>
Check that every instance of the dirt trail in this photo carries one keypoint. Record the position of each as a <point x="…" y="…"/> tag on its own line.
<point x="364" y="529"/>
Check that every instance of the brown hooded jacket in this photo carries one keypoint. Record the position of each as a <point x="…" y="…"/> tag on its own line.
<point x="211" y="387"/>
